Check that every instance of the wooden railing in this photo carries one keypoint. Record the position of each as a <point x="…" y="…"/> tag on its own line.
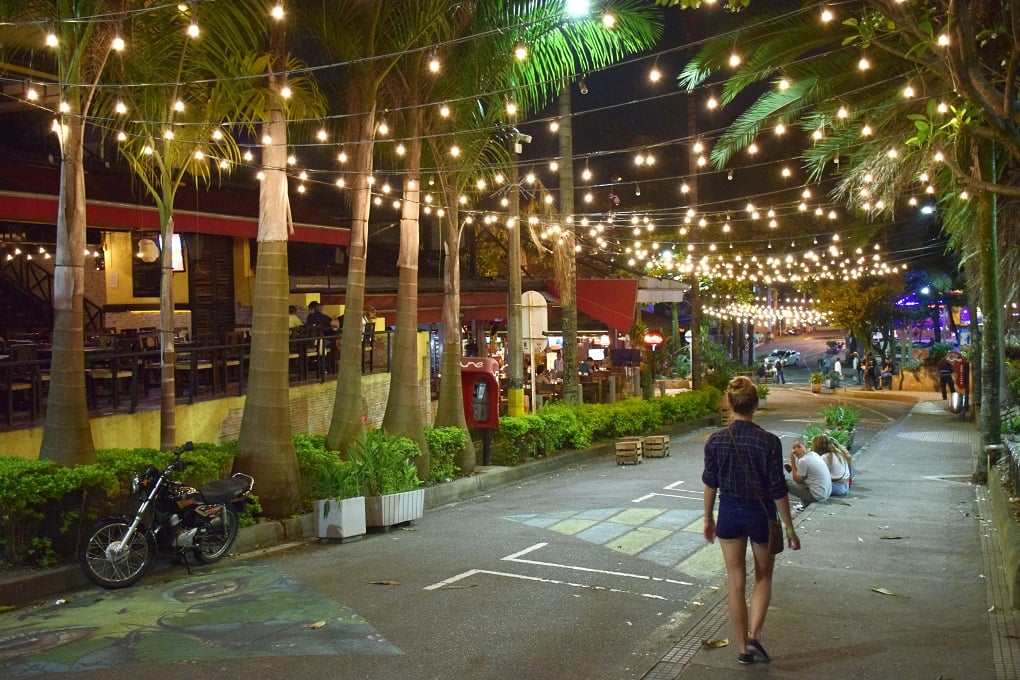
<point x="125" y="374"/>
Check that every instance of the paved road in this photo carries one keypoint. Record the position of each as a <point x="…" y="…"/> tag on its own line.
<point x="588" y="573"/>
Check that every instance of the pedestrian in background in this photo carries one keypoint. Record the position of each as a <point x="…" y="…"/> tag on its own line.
<point x="780" y="375"/>
<point x="858" y="369"/>
<point x="744" y="466"/>
<point x="870" y="383"/>
<point x="946" y="383"/>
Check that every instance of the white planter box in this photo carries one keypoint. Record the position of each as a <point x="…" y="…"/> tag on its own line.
<point x="342" y="519"/>
<point x="385" y="511"/>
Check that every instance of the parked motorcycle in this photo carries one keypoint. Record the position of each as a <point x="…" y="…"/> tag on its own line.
<point x="171" y="516"/>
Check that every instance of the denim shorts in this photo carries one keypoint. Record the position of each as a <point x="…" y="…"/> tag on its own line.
<point x="740" y="519"/>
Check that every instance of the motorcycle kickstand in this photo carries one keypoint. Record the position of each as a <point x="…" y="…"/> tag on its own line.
<point x="187" y="565"/>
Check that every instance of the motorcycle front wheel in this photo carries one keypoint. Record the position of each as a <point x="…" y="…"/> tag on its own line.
<point x="216" y="539"/>
<point x="109" y="562"/>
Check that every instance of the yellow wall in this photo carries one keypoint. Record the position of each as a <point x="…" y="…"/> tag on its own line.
<point x="219" y="420"/>
<point x="119" y="257"/>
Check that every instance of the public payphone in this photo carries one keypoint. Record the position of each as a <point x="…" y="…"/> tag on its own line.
<point x="479" y="386"/>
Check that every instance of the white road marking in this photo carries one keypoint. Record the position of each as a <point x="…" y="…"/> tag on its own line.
<point x="538" y="579"/>
<point x="516" y="558"/>
<point x="674" y="485"/>
<point x="686" y="495"/>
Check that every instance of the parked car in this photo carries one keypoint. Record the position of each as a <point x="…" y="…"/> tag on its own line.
<point x="791" y="357"/>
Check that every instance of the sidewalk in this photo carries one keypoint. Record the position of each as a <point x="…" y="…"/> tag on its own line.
<point x="902" y="578"/>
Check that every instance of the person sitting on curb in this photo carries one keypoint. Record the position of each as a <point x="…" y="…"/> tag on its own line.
<point x="809" y="477"/>
<point x="837" y="460"/>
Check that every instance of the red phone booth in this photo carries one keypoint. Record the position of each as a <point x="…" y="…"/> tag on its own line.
<point x="479" y="385"/>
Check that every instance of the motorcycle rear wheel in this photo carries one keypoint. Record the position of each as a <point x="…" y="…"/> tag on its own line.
<point x="108" y="567"/>
<point x="213" y="546"/>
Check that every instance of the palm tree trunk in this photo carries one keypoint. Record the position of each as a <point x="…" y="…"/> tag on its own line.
<point x="168" y="353"/>
<point x="991" y="337"/>
<point x="403" y="412"/>
<point x="67" y="437"/>
<point x="265" y="443"/>
<point x="568" y="291"/>
<point x="347" y="423"/>
<point x="450" y="409"/>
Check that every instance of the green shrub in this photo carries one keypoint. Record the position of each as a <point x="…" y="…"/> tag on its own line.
<point x="516" y="439"/>
<point x="937" y="352"/>
<point x="444" y="445"/>
<point x="383" y="465"/>
<point x="841" y="416"/>
<point x="41" y="503"/>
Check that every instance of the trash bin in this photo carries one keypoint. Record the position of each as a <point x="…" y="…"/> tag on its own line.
<point x="957" y="402"/>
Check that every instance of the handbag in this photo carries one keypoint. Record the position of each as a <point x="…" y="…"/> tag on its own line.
<point x="777" y="540"/>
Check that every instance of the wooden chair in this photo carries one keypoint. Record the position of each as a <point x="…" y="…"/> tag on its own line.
<point x="119" y="369"/>
<point x="195" y="367"/>
<point x="151" y="361"/>
<point x="19" y="375"/>
<point x="235" y="360"/>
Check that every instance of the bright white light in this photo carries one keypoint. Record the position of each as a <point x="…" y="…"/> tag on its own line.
<point x="578" y="8"/>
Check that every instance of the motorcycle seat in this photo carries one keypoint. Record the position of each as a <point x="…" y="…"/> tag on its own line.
<point x="224" y="490"/>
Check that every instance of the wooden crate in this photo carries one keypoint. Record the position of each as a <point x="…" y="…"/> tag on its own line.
<point x="656" y="446"/>
<point x="629" y="450"/>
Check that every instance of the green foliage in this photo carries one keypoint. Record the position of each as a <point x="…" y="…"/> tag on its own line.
<point x="1013" y="380"/>
<point x="444" y="444"/>
<point x="841" y="435"/>
<point x="382" y="464"/>
<point x="31" y="491"/>
<point x="817" y="378"/>
<point x="841" y="416"/>
<point x="556" y="427"/>
<point x="763" y="392"/>
<point x="43" y="507"/>
<point x="938" y="351"/>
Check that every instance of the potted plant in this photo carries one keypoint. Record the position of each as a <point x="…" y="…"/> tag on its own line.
<point x="816" y="381"/>
<point x="842" y="417"/>
<point x="833" y="380"/>
<point x="340" y="509"/>
<point x="763" y="394"/>
<point x="387" y="478"/>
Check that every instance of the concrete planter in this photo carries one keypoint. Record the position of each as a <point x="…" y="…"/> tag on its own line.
<point x="340" y="519"/>
<point x="396" y="508"/>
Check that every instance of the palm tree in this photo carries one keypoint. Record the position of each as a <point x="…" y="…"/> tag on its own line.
<point x="80" y="55"/>
<point x="182" y="96"/>
<point x="425" y="23"/>
<point x="265" y="445"/>
<point x="558" y="49"/>
<point x="959" y="132"/>
<point x="361" y="36"/>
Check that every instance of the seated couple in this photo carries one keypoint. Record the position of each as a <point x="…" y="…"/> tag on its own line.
<point x="822" y="472"/>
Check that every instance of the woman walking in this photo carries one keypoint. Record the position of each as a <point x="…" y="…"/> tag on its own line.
<point x="744" y="464"/>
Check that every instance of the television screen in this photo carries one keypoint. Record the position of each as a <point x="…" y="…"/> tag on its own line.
<point x="597" y="354"/>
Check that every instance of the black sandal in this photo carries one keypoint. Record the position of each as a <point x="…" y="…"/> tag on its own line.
<point x="756" y="647"/>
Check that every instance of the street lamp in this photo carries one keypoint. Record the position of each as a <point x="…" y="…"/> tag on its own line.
<point x="514" y="324"/>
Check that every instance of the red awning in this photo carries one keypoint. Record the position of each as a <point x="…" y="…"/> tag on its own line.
<point x="28" y="193"/>
<point x="611" y="301"/>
